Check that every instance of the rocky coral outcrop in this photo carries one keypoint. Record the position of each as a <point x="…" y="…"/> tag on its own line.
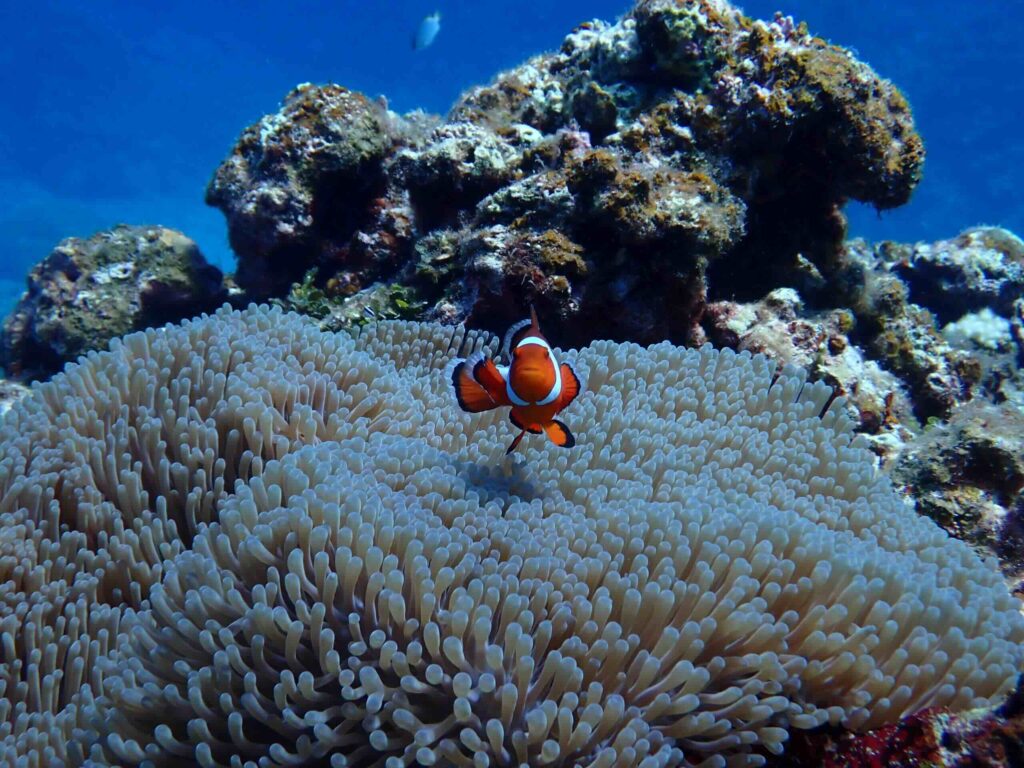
<point x="89" y="290"/>
<point x="981" y="268"/>
<point x="905" y="336"/>
<point x="683" y="154"/>
<point x="301" y="183"/>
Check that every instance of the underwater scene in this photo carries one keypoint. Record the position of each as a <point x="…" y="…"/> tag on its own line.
<point x="605" y="384"/>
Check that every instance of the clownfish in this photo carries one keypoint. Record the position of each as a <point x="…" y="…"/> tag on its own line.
<point x="534" y="385"/>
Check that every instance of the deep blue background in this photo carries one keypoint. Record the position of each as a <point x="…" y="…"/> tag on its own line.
<point x="119" y="110"/>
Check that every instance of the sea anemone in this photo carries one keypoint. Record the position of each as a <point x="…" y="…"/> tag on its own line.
<point x="243" y="541"/>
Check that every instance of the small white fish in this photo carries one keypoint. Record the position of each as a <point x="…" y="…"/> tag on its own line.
<point x="428" y="30"/>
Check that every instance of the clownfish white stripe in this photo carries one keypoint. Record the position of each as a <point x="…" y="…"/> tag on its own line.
<point x="556" y="390"/>
<point x="516" y="399"/>
<point x="534" y="340"/>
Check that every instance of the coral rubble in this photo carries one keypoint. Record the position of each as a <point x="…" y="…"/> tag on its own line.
<point x="90" y="290"/>
<point x="683" y="153"/>
<point x="968" y="475"/>
<point x="980" y="269"/>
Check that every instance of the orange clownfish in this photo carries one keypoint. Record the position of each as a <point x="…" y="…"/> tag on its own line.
<point x="533" y="384"/>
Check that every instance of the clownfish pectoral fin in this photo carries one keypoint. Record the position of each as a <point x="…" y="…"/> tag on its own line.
<point x="470" y="394"/>
<point x="515" y="442"/>
<point x="570" y="385"/>
<point x="489" y="377"/>
<point x="559" y="434"/>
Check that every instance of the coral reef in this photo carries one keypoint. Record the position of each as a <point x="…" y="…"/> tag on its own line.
<point x="381" y="302"/>
<point x="904" y="336"/>
<point x="90" y="290"/>
<point x="983" y="330"/>
<point x="242" y="537"/>
<point x="251" y="538"/>
<point x="943" y="316"/>
<point x="681" y="154"/>
<point x="980" y="269"/>
<point x="958" y="354"/>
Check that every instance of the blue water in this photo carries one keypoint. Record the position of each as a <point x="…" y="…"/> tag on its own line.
<point x="120" y="111"/>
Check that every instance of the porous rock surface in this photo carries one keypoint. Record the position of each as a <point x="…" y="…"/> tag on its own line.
<point x="682" y="152"/>
<point x="89" y="290"/>
<point x="782" y="327"/>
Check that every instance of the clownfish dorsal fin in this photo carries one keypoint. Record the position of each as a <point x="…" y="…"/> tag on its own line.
<point x="528" y="327"/>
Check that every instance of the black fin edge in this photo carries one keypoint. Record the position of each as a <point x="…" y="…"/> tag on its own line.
<point x="518" y="425"/>
<point x="515" y="443"/>
<point x="455" y="385"/>
<point x="568" y="432"/>
<point x="458" y="396"/>
<point x="579" y="384"/>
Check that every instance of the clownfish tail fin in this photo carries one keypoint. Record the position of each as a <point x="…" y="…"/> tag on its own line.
<point x="560" y="434"/>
